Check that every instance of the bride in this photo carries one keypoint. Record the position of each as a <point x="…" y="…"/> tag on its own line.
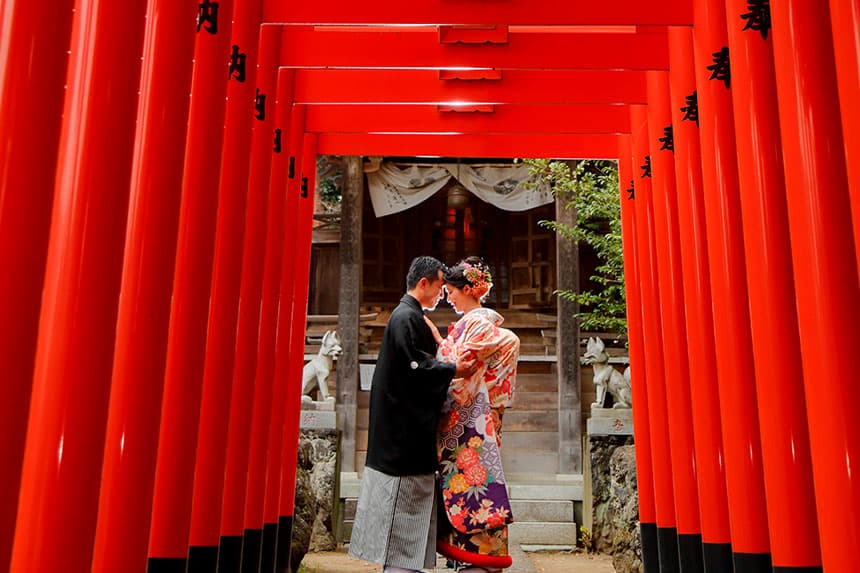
<point x="473" y="489"/>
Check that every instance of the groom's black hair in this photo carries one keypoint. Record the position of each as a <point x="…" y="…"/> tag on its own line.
<point x="423" y="267"/>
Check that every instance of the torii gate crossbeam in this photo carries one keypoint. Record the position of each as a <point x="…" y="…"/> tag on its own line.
<point x="533" y="12"/>
<point x="471" y="119"/>
<point x="550" y="146"/>
<point x="424" y="86"/>
<point x="303" y="48"/>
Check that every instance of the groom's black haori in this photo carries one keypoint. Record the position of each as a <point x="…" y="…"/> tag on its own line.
<point x="409" y="388"/>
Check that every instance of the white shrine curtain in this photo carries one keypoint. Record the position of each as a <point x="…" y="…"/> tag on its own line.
<point x="395" y="188"/>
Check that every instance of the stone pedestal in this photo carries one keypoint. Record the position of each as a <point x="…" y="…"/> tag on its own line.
<point x="317" y="492"/>
<point x="610" y="422"/>
<point x="318" y="415"/>
<point x="611" y="505"/>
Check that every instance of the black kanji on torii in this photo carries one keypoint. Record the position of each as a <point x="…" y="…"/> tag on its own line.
<point x="278" y="140"/>
<point x="668" y="139"/>
<point x="720" y="69"/>
<point x="631" y="191"/>
<point x="237" y="64"/>
<point x="758" y="17"/>
<point x="304" y="187"/>
<point x="646" y="168"/>
<point x="691" y="110"/>
<point x="260" y="105"/>
<point x="207" y="13"/>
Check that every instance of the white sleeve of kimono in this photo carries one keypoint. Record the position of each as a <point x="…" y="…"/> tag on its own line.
<point x="480" y="339"/>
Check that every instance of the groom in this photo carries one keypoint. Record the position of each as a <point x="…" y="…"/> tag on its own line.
<point x="395" y="521"/>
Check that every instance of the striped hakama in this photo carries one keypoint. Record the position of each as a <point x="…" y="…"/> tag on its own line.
<point x="395" y="521"/>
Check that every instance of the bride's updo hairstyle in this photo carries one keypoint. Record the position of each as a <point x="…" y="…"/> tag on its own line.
<point x="472" y="271"/>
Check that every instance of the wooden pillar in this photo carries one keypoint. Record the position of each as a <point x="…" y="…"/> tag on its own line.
<point x="348" y="308"/>
<point x="567" y="351"/>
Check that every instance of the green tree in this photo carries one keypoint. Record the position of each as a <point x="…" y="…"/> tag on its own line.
<point x="591" y="187"/>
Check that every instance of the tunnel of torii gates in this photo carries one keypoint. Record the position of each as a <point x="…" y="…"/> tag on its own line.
<point x="150" y="419"/>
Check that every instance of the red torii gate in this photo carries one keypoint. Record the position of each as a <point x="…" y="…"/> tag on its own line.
<point x="432" y="118"/>
<point x="632" y="48"/>
<point x="479" y="12"/>
<point x="516" y="86"/>
<point x="814" y="192"/>
<point x="472" y="145"/>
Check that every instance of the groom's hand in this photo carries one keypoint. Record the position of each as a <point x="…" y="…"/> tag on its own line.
<point x="465" y="367"/>
<point x="436" y="336"/>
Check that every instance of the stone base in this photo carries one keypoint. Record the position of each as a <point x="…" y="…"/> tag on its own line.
<point x="317" y="491"/>
<point x="610" y="422"/>
<point x="611" y="511"/>
<point x="318" y="420"/>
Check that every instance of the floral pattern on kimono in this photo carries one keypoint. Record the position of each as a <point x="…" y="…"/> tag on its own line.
<point x="472" y="478"/>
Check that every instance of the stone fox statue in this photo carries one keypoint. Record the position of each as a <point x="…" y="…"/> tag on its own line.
<point x="606" y="377"/>
<point x="317" y="370"/>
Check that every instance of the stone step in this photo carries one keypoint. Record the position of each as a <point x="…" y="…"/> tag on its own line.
<point x="542" y="505"/>
<point x="547" y="510"/>
<point x="542" y="533"/>
<point x="527" y="491"/>
<point x="530" y="460"/>
<point x="529" y="421"/>
<point x="523" y="442"/>
<point x="523" y="401"/>
<point x="523" y="487"/>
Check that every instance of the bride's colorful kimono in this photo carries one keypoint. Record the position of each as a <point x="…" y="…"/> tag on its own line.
<point x="472" y="479"/>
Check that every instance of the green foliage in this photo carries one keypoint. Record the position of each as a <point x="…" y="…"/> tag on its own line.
<point x="586" y="540"/>
<point x="330" y="191"/>
<point x="591" y="188"/>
